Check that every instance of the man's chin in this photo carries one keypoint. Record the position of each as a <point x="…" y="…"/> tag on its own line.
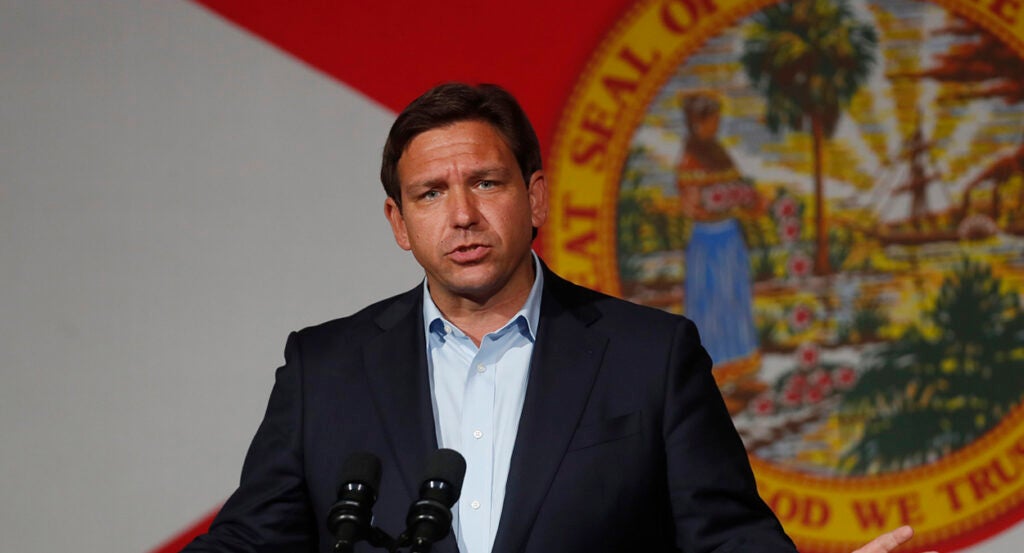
<point x="478" y="291"/>
<point x="476" y="282"/>
<point x="479" y="287"/>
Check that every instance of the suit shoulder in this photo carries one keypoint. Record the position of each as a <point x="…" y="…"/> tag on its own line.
<point x="368" y="320"/>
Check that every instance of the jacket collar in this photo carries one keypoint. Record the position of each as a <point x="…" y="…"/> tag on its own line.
<point x="396" y="369"/>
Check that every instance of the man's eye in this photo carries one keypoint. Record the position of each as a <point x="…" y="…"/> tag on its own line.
<point x="485" y="184"/>
<point x="430" y="194"/>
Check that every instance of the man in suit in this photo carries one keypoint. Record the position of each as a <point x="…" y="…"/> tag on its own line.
<point x="588" y="423"/>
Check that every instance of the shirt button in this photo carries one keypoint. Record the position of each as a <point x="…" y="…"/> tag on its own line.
<point x="481" y="368"/>
<point x="478" y="434"/>
<point x="447" y="329"/>
<point x="475" y="504"/>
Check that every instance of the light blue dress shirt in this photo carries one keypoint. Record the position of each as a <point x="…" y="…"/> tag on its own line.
<point x="477" y="395"/>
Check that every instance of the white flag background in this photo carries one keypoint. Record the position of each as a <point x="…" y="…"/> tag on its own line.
<point x="176" y="195"/>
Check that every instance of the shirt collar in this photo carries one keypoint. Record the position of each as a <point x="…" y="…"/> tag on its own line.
<point x="435" y="323"/>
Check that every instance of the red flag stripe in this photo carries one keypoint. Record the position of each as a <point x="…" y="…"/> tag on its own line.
<point x="178" y="542"/>
<point x="392" y="51"/>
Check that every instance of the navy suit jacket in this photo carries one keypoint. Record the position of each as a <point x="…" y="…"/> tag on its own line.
<point x="624" y="443"/>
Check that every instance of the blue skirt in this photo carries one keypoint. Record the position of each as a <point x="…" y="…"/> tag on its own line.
<point x="718" y="290"/>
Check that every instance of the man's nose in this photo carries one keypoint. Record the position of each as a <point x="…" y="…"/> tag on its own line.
<point x="463" y="208"/>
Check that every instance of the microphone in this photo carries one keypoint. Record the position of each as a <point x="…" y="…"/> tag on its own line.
<point x="350" y="517"/>
<point x="430" y="517"/>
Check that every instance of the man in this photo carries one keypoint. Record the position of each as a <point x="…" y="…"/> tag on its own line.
<point x="588" y="423"/>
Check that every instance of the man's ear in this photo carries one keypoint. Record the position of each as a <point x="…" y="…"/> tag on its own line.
<point x="538" y="191"/>
<point x="394" y="216"/>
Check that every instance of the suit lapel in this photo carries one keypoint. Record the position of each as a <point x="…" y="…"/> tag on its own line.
<point x="563" y="368"/>
<point x="396" y="368"/>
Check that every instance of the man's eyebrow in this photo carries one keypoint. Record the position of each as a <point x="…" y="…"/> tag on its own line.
<point x="480" y="173"/>
<point x="489" y="172"/>
<point x="427" y="183"/>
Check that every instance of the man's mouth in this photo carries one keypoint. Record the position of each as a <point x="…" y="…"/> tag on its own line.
<point x="468" y="253"/>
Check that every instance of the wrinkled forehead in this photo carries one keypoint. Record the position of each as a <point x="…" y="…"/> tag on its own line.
<point x="469" y="148"/>
<point x="458" y="122"/>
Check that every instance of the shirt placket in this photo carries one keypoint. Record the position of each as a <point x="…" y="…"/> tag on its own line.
<point x="476" y="432"/>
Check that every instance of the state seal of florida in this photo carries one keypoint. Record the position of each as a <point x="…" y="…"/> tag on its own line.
<point x="834" y="192"/>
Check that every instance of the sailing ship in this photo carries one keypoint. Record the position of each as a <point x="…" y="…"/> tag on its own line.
<point x="913" y="205"/>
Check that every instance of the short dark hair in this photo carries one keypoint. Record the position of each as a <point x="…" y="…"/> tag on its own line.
<point x="451" y="103"/>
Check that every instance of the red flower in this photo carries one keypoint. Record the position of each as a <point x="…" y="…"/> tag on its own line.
<point x="790" y="230"/>
<point x="801" y="316"/>
<point x="814" y="395"/>
<point x="844" y="377"/>
<point x="791" y="397"/>
<point x="764" y="405"/>
<point x="785" y="207"/>
<point x="715" y="198"/>
<point x="821" y="380"/>
<point x="807" y="355"/>
<point x="799" y="264"/>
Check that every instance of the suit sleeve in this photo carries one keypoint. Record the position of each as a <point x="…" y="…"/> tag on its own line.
<point x="714" y="498"/>
<point x="270" y="510"/>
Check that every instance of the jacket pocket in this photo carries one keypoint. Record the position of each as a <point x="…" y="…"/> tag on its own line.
<point x="607" y="430"/>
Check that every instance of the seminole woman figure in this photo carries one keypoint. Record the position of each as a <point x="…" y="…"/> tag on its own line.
<point x="717" y="293"/>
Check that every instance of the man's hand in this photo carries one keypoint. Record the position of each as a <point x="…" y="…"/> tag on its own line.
<point x="888" y="541"/>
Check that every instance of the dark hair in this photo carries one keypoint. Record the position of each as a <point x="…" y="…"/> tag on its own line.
<point x="451" y="103"/>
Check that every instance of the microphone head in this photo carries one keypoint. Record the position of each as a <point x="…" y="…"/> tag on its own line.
<point x="360" y="467"/>
<point x="430" y="516"/>
<point x="449" y="467"/>
<point x="349" y="519"/>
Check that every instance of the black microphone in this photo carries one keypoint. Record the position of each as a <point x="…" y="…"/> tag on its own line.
<point x="430" y="517"/>
<point x="350" y="518"/>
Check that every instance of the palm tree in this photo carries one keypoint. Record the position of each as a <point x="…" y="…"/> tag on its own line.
<point x="808" y="58"/>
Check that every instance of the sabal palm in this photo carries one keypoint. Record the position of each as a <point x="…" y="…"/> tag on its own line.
<point x="808" y="58"/>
